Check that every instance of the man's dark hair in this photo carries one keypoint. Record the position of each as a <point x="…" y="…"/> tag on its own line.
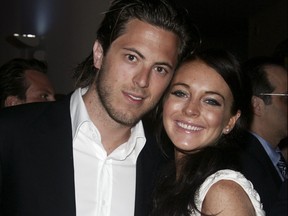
<point x="161" y="13"/>
<point x="257" y="82"/>
<point x="255" y="70"/>
<point x="12" y="77"/>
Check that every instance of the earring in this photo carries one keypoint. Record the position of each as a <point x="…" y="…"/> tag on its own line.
<point x="227" y="130"/>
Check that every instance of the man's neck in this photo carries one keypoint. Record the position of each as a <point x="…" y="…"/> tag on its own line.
<point x="272" y="139"/>
<point x="113" y="134"/>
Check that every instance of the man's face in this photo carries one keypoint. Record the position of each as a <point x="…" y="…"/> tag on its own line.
<point x="276" y="112"/>
<point x="40" y="88"/>
<point x="136" y="70"/>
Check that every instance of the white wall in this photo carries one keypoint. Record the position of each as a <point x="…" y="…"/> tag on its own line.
<point x="67" y="29"/>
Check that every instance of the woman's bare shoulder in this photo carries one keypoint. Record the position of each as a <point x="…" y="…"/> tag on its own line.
<point x="227" y="197"/>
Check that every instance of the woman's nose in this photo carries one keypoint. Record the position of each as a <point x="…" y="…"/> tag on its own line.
<point x="192" y="108"/>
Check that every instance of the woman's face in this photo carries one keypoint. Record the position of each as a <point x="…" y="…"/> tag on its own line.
<point x="197" y="108"/>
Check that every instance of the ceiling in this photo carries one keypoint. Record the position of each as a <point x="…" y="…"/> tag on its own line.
<point x="218" y="18"/>
<point x="214" y="18"/>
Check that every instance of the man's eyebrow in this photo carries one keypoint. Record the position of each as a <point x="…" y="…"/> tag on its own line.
<point x="165" y="63"/>
<point x="143" y="57"/>
<point x="136" y="51"/>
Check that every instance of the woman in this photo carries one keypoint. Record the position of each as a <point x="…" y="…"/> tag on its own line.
<point x="200" y="110"/>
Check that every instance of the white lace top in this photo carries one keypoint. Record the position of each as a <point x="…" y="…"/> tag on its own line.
<point x="237" y="177"/>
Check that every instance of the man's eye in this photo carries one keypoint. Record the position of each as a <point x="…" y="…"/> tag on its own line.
<point x="161" y="70"/>
<point x="131" y="58"/>
<point x="44" y="96"/>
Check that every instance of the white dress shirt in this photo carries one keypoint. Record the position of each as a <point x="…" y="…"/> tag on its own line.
<point x="104" y="185"/>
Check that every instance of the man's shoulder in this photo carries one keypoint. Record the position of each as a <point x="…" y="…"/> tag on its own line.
<point x="247" y="141"/>
<point x="23" y="114"/>
<point x="23" y="108"/>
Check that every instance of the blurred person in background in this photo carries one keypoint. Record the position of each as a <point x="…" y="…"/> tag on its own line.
<point x="260" y="158"/>
<point x="24" y="81"/>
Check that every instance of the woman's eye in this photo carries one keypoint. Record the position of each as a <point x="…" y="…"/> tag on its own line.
<point x="212" y="102"/>
<point x="179" y="93"/>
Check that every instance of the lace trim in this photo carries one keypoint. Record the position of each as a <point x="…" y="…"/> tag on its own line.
<point x="235" y="176"/>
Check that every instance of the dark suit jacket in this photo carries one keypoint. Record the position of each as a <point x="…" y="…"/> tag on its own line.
<point x="280" y="207"/>
<point x="36" y="162"/>
<point x="256" y="165"/>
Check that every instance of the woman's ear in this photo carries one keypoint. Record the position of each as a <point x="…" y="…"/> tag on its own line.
<point x="97" y="54"/>
<point x="232" y="122"/>
<point x="12" y="101"/>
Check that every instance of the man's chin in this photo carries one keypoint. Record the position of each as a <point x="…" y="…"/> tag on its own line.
<point x="127" y="120"/>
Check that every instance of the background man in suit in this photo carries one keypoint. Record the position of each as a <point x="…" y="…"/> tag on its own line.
<point x="88" y="154"/>
<point x="24" y="81"/>
<point x="260" y="154"/>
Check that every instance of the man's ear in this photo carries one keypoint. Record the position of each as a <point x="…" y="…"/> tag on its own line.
<point x="257" y="105"/>
<point x="12" y="101"/>
<point x="97" y="54"/>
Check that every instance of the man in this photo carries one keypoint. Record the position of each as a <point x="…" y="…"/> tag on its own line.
<point x="24" y="81"/>
<point x="260" y="154"/>
<point x="88" y="154"/>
